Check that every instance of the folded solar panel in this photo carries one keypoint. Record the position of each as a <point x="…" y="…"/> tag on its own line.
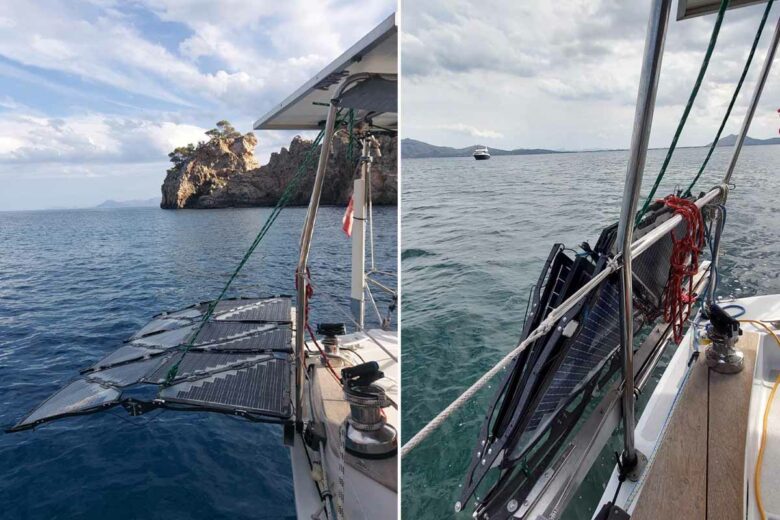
<point x="541" y="396"/>
<point x="241" y="362"/>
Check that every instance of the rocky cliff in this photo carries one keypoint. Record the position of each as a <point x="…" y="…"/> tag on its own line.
<point x="223" y="172"/>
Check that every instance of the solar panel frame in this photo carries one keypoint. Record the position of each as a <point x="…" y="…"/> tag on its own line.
<point x="229" y="346"/>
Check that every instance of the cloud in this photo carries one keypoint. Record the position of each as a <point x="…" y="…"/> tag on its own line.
<point x="472" y="131"/>
<point x="235" y="54"/>
<point x="89" y="140"/>
<point x="565" y="74"/>
<point x="109" y="87"/>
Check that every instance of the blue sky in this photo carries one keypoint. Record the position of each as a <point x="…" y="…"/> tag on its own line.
<point x="94" y="94"/>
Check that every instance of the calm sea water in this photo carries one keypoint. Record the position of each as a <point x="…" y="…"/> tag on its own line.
<point x="75" y="284"/>
<point x="475" y="236"/>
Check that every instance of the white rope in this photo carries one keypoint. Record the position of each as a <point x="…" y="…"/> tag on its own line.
<point x="340" y="492"/>
<point x="373" y="302"/>
<point x="370" y="218"/>
<point x="544" y="327"/>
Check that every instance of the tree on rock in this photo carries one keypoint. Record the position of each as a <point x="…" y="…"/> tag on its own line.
<point x="181" y="154"/>
<point x="224" y="130"/>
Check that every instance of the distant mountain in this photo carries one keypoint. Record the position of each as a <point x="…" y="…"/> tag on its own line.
<point x="730" y="140"/>
<point x="154" y="202"/>
<point x="414" y="149"/>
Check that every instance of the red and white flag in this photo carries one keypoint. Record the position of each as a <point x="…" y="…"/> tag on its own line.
<point x="346" y="222"/>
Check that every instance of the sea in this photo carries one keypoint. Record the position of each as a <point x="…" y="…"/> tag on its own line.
<point x="75" y="284"/>
<point x="475" y="235"/>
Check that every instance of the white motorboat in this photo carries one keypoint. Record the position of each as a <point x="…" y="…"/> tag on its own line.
<point x="481" y="153"/>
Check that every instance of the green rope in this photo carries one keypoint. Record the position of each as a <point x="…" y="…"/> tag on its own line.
<point x="702" y="70"/>
<point x="287" y="194"/>
<point x="351" y="135"/>
<point x="733" y="98"/>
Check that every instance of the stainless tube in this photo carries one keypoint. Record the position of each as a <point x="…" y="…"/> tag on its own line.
<point x="300" y="275"/>
<point x="717" y="225"/>
<point x="770" y="56"/>
<point x="645" y="105"/>
<point x="306" y="236"/>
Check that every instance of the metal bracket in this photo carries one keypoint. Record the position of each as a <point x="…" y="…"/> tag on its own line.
<point x="635" y="471"/>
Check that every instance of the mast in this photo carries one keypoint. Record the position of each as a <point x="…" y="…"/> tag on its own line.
<point x="645" y="105"/>
<point x="359" y="201"/>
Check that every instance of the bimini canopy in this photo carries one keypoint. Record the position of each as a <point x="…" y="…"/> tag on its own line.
<point x="691" y="8"/>
<point x="377" y="53"/>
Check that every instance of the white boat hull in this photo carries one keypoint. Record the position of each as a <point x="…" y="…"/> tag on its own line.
<point x="366" y="490"/>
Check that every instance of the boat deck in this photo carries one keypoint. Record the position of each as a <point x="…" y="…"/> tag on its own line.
<point x="370" y="484"/>
<point x="698" y="470"/>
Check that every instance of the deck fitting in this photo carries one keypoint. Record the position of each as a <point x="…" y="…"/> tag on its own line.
<point x="634" y="472"/>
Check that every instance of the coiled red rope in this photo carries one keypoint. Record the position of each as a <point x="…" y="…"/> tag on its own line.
<point x="309" y="294"/>
<point x="684" y="263"/>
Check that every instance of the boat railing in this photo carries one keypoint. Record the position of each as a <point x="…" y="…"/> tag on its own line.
<point x="301" y="277"/>
<point x="638" y="247"/>
<point x="651" y="65"/>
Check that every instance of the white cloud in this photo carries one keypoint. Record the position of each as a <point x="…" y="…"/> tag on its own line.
<point x="256" y="50"/>
<point x="472" y="131"/>
<point x="89" y="139"/>
<point x="564" y="74"/>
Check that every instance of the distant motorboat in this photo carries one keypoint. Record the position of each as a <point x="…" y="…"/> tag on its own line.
<point x="482" y="154"/>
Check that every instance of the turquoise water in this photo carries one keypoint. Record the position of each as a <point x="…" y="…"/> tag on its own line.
<point x="474" y="238"/>
<point x="75" y="284"/>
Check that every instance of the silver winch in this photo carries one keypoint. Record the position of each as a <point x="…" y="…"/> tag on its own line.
<point x="368" y="435"/>
<point x="330" y="333"/>
<point x="724" y="332"/>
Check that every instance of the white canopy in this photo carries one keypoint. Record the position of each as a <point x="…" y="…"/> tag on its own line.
<point x="690" y="8"/>
<point x="306" y="108"/>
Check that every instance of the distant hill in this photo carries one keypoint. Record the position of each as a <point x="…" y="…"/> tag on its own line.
<point x="729" y="140"/>
<point x="414" y="149"/>
<point x="154" y="202"/>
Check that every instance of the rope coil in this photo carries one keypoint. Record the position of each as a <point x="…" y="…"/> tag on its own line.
<point x="684" y="263"/>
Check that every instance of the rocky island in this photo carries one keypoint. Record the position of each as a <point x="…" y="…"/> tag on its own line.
<point x="223" y="173"/>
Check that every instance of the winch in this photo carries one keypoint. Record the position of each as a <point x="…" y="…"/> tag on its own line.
<point x="368" y="435"/>
<point x="724" y="332"/>
<point x="330" y="333"/>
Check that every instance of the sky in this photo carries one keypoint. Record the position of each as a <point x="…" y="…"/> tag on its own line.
<point x="95" y="93"/>
<point x="564" y="74"/>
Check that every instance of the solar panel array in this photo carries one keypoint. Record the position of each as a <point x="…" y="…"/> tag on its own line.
<point x="240" y="362"/>
<point x="597" y="337"/>
<point x="554" y="370"/>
